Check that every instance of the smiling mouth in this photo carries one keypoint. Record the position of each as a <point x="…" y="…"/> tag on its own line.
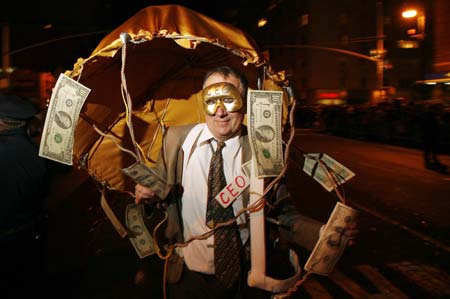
<point x="222" y="120"/>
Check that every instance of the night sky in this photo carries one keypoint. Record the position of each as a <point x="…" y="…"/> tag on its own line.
<point x="50" y="35"/>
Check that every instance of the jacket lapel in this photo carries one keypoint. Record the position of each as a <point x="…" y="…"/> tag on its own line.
<point x="246" y="156"/>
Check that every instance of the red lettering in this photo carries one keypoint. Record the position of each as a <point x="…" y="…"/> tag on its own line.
<point x="231" y="190"/>
<point x="236" y="180"/>
<point x="226" y="201"/>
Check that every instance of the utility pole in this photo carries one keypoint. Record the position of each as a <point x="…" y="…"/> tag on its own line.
<point x="381" y="52"/>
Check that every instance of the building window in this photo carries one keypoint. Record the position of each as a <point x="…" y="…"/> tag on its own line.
<point x="303" y="20"/>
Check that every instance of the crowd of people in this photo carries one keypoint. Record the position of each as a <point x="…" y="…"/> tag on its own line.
<point x="409" y="124"/>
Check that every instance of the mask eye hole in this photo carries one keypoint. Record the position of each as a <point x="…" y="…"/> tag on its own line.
<point x="210" y="102"/>
<point x="228" y="100"/>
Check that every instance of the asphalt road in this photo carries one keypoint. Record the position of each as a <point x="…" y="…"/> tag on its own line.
<point x="390" y="180"/>
<point x="403" y="226"/>
<point x="404" y="213"/>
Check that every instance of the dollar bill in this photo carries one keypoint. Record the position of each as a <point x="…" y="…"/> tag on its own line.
<point x="144" y="175"/>
<point x="246" y="168"/>
<point x="264" y="126"/>
<point x="327" y="171"/>
<point x="139" y="235"/>
<point x="67" y="99"/>
<point x="332" y="240"/>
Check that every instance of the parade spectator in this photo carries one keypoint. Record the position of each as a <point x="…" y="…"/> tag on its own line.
<point x="431" y="131"/>
<point x="22" y="185"/>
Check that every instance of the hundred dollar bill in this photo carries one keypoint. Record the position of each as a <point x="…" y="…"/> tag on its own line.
<point x="264" y="126"/>
<point x="67" y="99"/>
<point x="332" y="240"/>
<point x="144" y="175"/>
<point x="337" y="173"/>
<point x="139" y="235"/>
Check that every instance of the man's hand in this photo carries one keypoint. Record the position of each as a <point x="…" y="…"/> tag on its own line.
<point x="144" y="194"/>
<point x="351" y="232"/>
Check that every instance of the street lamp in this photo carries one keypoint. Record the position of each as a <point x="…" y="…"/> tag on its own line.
<point x="262" y="22"/>
<point x="420" y="19"/>
<point x="410" y="13"/>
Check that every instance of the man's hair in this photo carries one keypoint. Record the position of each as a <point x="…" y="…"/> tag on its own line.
<point x="227" y="71"/>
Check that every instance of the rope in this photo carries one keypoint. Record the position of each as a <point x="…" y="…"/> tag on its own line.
<point x="166" y="266"/>
<point x="129" y="104"/>
<point x="81" y="71"/>
<point x="115" y="141"/>
<point x="292" y="289"/>
<point x="160" y="125"/>
<point x="332" y="176"/>
<point x="139" y="152"/>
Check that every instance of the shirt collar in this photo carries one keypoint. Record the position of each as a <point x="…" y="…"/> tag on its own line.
<point x="205" y="136"/>
<point x="232" y="144"/>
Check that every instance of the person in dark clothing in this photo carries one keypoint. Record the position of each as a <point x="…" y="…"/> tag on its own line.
<point x="430" y="139"/>
<point x="23" y="188"/>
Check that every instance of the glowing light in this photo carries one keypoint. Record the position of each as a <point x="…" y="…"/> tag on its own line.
<point x="331" y="102"/>
<point x="329" y="95"/>
<point x="262" y="22"/>
<point x="411" y="31"/>
<point x="407" y="44"/>
<point x="410" y="13"/>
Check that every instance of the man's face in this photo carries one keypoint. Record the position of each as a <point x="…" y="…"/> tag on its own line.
<point x="223" y="124"/>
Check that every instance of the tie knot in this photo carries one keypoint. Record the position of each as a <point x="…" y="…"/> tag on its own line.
<point x="220" y="145"/>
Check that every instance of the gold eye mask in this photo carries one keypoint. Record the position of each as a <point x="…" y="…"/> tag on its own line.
<point x="222" y="94"/>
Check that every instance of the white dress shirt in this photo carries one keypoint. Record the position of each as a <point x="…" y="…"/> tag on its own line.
<point x="199" y="254"/>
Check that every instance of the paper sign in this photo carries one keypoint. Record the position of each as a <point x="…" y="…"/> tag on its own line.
<point x="232" y="190"/>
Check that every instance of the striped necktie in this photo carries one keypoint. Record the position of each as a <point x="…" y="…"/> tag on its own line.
<point x="227" y="241"/>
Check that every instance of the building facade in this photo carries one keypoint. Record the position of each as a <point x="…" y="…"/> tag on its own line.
<point x="329" y="49"/>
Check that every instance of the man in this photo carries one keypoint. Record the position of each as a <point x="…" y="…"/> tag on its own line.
<point x="22" y="187"/>
<point x="188" y="159"/>
<point x="431" y="135"/>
